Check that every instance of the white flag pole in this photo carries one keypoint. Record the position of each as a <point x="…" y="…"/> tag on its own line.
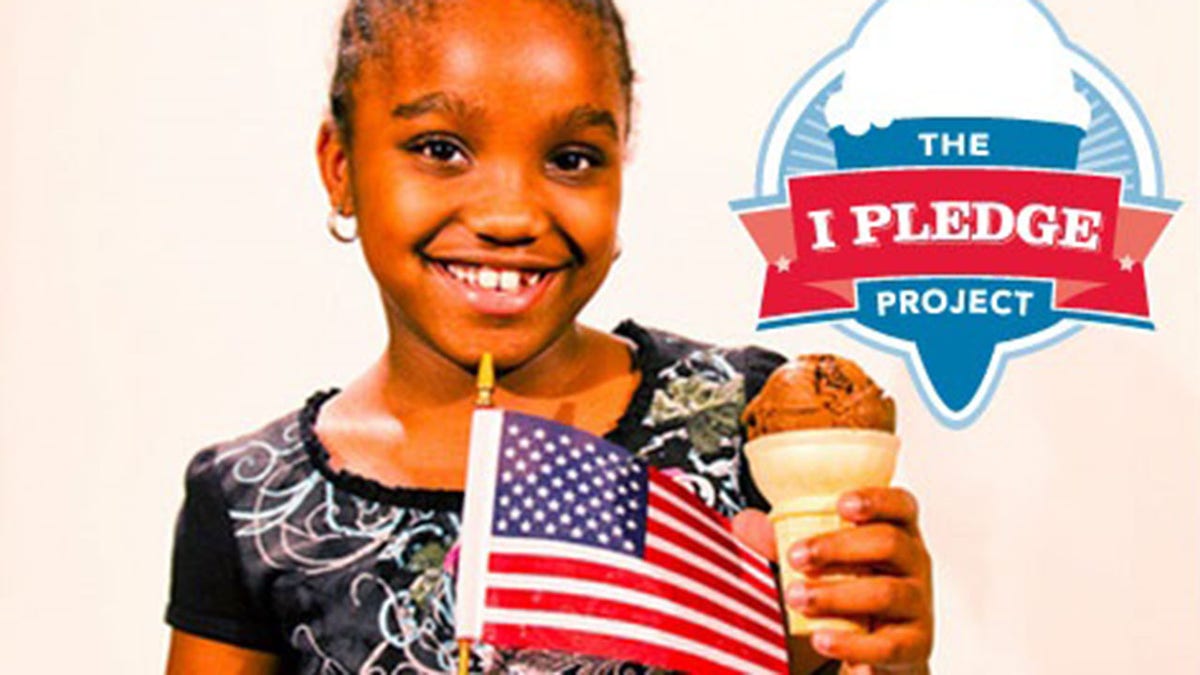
<point x="475" y="533"/>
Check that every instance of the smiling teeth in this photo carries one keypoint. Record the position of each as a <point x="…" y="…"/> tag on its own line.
<point x="492" y="279"/>
<point x="510" y="280"/>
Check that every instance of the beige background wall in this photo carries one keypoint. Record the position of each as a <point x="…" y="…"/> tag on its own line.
<point x="165" y="281"/>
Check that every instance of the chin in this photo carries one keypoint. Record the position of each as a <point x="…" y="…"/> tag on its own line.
<point x="511" y="347"/>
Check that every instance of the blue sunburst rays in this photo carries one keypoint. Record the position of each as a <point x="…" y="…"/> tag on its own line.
<point x="809" y="149"/>
<point x="1109" y="134"/>
<point x="814" y="158"/>
<point x="1107" y="147"/>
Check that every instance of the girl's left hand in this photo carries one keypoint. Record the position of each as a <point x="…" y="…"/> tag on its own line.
<point x="892" y="591"/>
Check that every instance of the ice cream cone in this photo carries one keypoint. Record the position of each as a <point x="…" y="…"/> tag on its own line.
<point x="802" y="474"/>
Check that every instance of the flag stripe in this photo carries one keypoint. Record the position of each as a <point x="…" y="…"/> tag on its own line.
<point x="561" y="560"/>
<point x="681" y="493"/>
<point x="665" y="554"/>
<point x="668" y="527"/>
<point x="585" y="634"/>
<point x="630" y="602"/>
<point x="717" y="538"/>
<point x="705" y="518"/>
<point x="631" y="617"/>
<point x="553" y="569"/>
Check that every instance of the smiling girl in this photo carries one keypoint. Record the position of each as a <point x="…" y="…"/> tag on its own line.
<point x="478" y="147"/>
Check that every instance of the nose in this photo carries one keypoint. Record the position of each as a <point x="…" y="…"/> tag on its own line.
<point x="507" y="212"/>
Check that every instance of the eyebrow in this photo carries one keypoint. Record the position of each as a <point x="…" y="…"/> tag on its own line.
<point x="589" y="116"/>
<point x="437" y="102"/>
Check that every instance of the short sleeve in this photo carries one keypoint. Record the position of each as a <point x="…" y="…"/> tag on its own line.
<point x="209" y="597"/>
<point x="756" y="365"/>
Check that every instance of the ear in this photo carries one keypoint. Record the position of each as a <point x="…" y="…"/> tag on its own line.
<point x="333" y="159"/>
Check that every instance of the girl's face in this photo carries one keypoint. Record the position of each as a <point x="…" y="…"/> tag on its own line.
<point x="484" y="169"/>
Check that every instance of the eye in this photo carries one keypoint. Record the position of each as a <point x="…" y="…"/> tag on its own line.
<point x="439" y="150"/>
<point x="576" y="160"/>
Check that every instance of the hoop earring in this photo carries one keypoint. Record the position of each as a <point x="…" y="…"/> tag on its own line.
<point x="336" y="224"/>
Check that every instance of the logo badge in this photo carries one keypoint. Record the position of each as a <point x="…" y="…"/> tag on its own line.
<point x="959" y="185"/>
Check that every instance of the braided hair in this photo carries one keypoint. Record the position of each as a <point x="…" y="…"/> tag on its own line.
<point x="367" y="26"/>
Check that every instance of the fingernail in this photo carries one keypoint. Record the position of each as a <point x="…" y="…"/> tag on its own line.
<point x="822" y="641"/>
<point x="797" y="595"/>
<point x="853" y="504"/>
<point x="800" y="555"/>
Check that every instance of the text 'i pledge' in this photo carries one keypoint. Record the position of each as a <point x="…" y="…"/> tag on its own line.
<point x="1038" y="225"/>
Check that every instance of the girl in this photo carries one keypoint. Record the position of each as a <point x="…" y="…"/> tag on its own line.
<point x="478" y="147"/>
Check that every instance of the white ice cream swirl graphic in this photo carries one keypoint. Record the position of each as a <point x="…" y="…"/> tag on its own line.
<point x="956" y="58"/>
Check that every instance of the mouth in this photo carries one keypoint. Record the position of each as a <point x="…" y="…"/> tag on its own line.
<point x="496" y="290"/>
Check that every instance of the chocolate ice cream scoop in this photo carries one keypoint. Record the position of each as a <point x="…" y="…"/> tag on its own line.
<point x="819" y="391"/>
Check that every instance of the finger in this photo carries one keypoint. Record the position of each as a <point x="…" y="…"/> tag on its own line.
<point x="834" y="571"/>
<point x="893" y="505"/>
<point x="753" y="528"/>
<point x="868" y="669"/>
<point x="892" y="644"/>
<point x="879" y="546"/>
<point x="887" y="598"/>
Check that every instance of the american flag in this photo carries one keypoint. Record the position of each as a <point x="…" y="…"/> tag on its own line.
<point x="569" y="543"/>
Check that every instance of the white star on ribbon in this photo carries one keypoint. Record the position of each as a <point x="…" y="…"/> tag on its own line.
<point x="783" y="264"/>
<point x="1127" y="263"/>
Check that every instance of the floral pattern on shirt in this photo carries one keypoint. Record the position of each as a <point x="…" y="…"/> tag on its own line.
<point x="359" y="585"/>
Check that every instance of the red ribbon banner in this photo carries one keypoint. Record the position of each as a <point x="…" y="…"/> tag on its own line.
<point x="1066" y="227"/>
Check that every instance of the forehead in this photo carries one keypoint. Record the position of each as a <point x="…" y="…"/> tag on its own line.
<point x="492" y="52"/>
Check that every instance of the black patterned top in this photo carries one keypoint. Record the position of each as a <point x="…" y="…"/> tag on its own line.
<point x="276" y="551"/>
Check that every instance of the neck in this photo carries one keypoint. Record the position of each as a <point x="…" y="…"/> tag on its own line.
<point x="406" y="420"/>
<point x="412" y="375"/>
